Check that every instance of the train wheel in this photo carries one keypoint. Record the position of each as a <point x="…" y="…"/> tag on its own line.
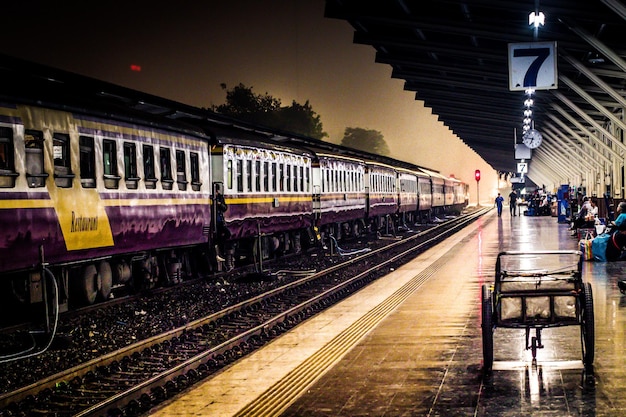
<point x="487" y="328"/>
<point x="88" y="284"/>
<point x="106" y="279"/>
<point x="587" y="327"/>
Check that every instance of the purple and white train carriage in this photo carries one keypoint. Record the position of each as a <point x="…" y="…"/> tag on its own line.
<point x="268" y="189"/>
<point x="96" y="198"/>
<point x="339" y="195"/>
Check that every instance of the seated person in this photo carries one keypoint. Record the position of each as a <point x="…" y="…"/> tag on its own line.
<point x="620" y="217"/>
<point x="544" y="207"/>
<point x="585" y="218"/>
<point x="616" y="246"/>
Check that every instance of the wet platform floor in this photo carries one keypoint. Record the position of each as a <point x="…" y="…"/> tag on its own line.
<point x="423" y="357"/>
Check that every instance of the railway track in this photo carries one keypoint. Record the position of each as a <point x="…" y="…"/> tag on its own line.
<point x="130" y="381"/>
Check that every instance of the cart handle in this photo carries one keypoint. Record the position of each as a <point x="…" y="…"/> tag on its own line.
<point x="539" y="252"/>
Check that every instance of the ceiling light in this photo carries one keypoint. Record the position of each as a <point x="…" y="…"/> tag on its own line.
<point x="536" y="19"/>
<point x="528" y="102"/>
<point x="528" y="113"/>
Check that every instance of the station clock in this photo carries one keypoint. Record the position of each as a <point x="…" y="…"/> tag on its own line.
<point x="532" y="138"/>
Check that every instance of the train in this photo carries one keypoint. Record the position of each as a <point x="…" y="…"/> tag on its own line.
<point x="104" y="187"/>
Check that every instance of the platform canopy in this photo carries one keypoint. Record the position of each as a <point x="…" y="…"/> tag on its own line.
<point x="457" y="58"/>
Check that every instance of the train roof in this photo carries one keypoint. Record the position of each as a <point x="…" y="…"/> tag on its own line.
<point x="417" y="172"/>
<point x="250" y="142"/>
<point x="26" y="82"/>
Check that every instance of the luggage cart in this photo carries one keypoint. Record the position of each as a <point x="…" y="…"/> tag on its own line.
<point x="537" y="290"/>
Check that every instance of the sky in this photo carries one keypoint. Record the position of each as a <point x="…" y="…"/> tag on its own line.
<point x="285" y="48"/>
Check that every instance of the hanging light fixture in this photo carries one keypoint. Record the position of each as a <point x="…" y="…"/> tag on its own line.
<point x="536" y="19"/>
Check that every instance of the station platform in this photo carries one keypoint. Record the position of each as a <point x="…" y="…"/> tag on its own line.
<point x="410" y="344"/>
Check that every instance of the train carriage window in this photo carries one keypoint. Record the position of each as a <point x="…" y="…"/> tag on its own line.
<point x="329" y="180"/>
<point x="63" y="175"/>
<point x="33" y="142"/>
<point x="302" y="183"/>
<point x="307" y="173"/>
<point x="181" y="170"/>
<point x="266" y="176"/>
<point x="288" y="168"/>
<point x="149" y="172"/>
<point x="274" y="177"/>
<point x="109" y="160"/>
<point x="7" y="161"/>
<point x="194" y="161"/>
<point x="281" y="177"/>
<point x="349" y="179"/>
<point x="326" y="182"/>
<point x="239" y="175"/>
<point x="166" y="168"/>
<point x="248" y="175"/>
<point x="87" y="161"/>
<point x="130" y="166"/>
<point x="229" y="174"/>
<point x="338" y="181"/>
<point x="257" y="176"/>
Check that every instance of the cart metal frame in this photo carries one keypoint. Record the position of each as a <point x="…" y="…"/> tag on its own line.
<point x="532" y="298"/>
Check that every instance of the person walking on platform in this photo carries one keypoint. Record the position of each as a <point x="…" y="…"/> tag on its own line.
<point x="499" y="201"/>
<point x="513" y="202"/>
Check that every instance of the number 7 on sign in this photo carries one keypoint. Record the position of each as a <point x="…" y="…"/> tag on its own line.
<point x="532" y="65"/>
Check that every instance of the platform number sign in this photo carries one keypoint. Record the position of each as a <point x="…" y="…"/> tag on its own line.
<point x="522" y="168"/>
<point x="533" y="65"/>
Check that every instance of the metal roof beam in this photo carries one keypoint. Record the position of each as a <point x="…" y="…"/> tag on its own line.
<point x="564" y="166"/>
<point x="597" y="44"/>
<point x="595" y="79"/>
<point x="577" y="137"/>
<point x="591" y="121"/>
<point x="560" y="147"/>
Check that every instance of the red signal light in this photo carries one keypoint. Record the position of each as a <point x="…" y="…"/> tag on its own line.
<point x="477" y="175"/>
<point x="135" y="67"/>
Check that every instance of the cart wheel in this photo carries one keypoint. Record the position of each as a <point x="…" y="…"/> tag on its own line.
<point x="587" y="327"/>
<point x="487" y="328"/>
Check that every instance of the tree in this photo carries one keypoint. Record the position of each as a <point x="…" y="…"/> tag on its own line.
<point x="300" y="118"/>
<point x="368" y="140"/>
<point x="263" y="109"/>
